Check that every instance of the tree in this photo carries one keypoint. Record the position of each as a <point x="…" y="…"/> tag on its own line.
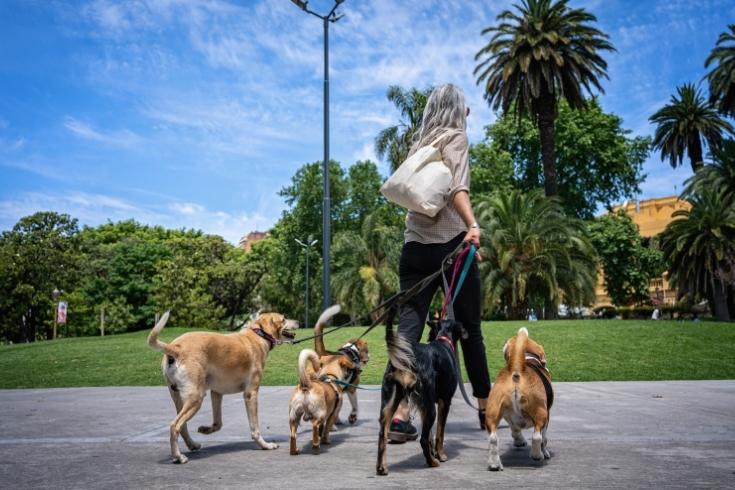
<point x="395" y="142"/>
<point x="544" y="52"/>
<point x="717" y="174"/>
<point x="363" y="194"/>
<point x="491" y="169"/>
<point x="38" y="255"/>
<point x="535" y="255"/>
<point x="628" y="264"/>
<point x="597" y="162"/>
<point x="699" y="245"/>
<point x="683" y="122"/>
<point x="364" y="263"/>
<point x="722" y="77"/>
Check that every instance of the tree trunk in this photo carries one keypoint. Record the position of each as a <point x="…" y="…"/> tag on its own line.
<point x="546" y="112"/>
<point x="695" y="152"/>
<point x="720" y="302"/>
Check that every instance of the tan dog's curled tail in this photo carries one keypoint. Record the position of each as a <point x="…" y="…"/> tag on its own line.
<point x="518" y="358"/>
<point x="153" y="337"/>
<point x="307" y="355"/>
<point x="319" y="328"/>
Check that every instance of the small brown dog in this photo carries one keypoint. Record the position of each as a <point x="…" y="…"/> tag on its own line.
<point x="223" y="363"/>
<point x="356" y="350"/>
<point x="523" y="396"/>
<point x="318" y="396"/>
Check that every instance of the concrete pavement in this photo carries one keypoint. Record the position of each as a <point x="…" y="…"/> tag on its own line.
<point x="678" y="434"/>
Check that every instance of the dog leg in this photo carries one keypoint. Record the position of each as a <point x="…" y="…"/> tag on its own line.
<point x="544" y="441"/>
<point x="316" y="426"/>
<point x="353" y="402"/>
<point x="441" y="422"/>
<point x="493" y="458"/>
<point x="427" y="421"/>
<point x="251" y="406"/>
<point x="536" y="439"/>
<point x="294" y="418"/>
<point x="389" y="404"/>
<point x="178" y="426"/>
<point x="518" y="439"/>
<point x="216" y="415"/>
<point x="178" y="403"/>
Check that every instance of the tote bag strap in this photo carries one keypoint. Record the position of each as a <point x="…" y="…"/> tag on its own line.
<point x="441" y="137"/>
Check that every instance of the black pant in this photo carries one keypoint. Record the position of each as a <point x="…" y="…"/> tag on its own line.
<point x="419" y="260"/>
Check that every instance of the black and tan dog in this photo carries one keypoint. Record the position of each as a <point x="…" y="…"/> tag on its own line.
<point x="197" y="362"/>
<point x="522" y="395"/>
<point x="355" y="350"/>
<point x="425" y="374"/>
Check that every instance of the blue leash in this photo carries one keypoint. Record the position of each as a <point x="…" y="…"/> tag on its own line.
<point x="465" y="270"/>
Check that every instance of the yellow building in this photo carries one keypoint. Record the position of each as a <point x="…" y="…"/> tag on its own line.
<point x="651" y="216"/>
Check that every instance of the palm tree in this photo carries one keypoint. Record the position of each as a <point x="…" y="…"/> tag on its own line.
<point x="722" y="77"/>
<point x="395" y="142"/>
<point x="544" y="52"/>
<point x="699" y="245"/>
<point x="534" y="253"/>
<point x="683" y="122"/>
<point x="718" y="174"/>
<point x="363" y="262"/>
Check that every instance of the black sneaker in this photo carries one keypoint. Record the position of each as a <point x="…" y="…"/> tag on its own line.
<point x="402" y="431"/>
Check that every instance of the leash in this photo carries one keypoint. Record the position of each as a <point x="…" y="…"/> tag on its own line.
<point x="452" y="291"/>
<point x="397" y="299"/>
<point x="350" y="385"/>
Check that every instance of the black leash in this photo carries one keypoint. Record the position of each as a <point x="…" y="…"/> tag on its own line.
<point x="397" y="299"/>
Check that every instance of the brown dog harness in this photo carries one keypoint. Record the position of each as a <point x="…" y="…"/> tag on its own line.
<point x="533" y="361"/>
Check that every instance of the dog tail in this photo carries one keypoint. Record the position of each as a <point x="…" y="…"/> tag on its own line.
<point x="156" y="344"/>
<point x="400" y="350"/>
<point x="306" y="356"/>
<point x="518" y="359"/>
<point x="319" y="328"/>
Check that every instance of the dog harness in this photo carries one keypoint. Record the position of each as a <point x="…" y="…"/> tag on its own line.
<point x="533" y="361"/>
<point x="265" y="335"/>
<point x="353" y="353"/>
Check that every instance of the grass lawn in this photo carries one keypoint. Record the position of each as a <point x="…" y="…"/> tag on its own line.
<point x="580" y="350"/>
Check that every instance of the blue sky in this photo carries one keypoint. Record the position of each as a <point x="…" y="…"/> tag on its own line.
<point x="193" y="113"/>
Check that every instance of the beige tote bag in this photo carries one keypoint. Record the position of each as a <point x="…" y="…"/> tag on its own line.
<point x="422" y="182"/>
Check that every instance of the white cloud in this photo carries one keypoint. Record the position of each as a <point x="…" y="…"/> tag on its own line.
<point x="95" y="209"/>
<point x="123" y="137"/>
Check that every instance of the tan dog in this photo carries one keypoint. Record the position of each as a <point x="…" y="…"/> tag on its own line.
<point x="355" y="349"/>
<point x="223" y="363"/>
<point x="317" y="397"/>
<point x="523" y="396"/>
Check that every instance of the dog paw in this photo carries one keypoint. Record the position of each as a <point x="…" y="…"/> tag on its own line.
<point x="295" y="452"/>
<point x="195" y="446"/>
<point x="443" y="457"/>
<point x="433" y="463"/>
<point x="495" y="467"/>
<point x="207" y="429"/>
<point x="180" y="459"/>
<point x="269" y="445"/>
<point x="352" y="419"/>
<point x="520" y="443"/>
<point x="547" y="455"/>
<point x="315" y="449"/>
<point x="381" y="471"/>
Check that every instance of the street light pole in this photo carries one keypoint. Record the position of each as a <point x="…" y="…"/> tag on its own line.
<point x="332" y="16"/>
<point x="310" y="242"/>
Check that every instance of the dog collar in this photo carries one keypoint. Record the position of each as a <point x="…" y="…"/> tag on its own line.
<point x="447" y="341"/>
<point x="265" y="335"/>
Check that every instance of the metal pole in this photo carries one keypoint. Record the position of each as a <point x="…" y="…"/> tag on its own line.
<point x="102" y="321"/>
<point x="306" y="313"/>
<point x="56" y="310"/>
<point x="326" y="214"/>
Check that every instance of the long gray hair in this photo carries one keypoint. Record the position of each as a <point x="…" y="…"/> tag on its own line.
<point x="445" y="109"/>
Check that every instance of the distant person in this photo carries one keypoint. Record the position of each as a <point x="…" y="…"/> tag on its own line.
<point x="428" y="240"/>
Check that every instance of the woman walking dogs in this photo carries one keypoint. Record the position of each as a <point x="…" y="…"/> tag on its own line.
<point x="428" y="239"/>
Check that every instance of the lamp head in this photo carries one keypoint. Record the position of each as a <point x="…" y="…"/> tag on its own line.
<point x="300" y="4"/>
